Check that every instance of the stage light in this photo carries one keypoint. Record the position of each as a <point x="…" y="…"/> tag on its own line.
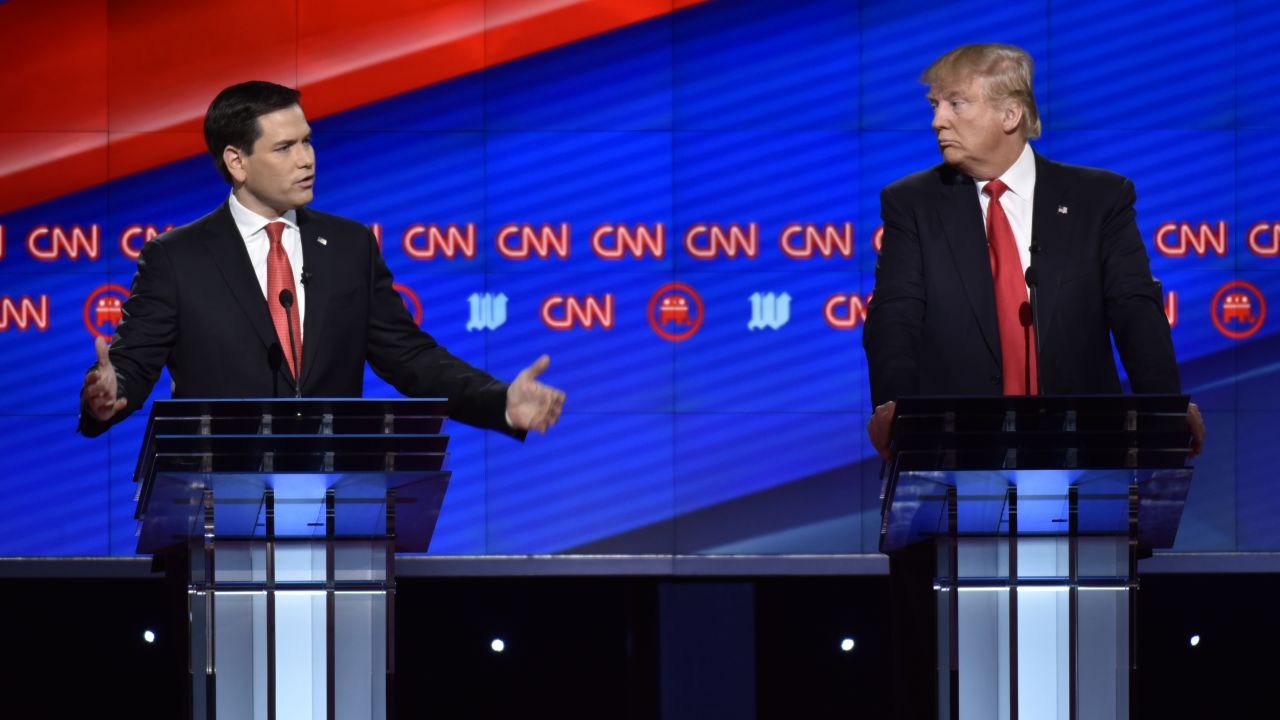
<point x="847" y="644"/>
<point x="497" y="645"/>
<point x="148" y="636"/>
<point x="1195" y="640"/>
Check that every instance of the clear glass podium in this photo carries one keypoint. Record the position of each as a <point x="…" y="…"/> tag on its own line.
<point x="1039" y="508"/>
<point x="290" y="513"/>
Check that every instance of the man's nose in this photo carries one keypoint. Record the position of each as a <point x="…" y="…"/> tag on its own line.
<point x="940" y="118"/>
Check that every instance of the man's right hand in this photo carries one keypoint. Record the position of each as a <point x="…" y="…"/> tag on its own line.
<point x="878" y="429"/>
<point x="99" y="391"/>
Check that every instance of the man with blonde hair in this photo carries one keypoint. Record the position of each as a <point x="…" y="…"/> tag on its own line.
<point x="950" y="314"/>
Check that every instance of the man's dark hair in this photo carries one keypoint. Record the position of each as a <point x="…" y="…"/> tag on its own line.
<point x="232" y="118"/>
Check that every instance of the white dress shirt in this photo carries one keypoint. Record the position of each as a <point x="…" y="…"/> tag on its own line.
<point x="1017" y="201"/>
<point x="253" y="228"/>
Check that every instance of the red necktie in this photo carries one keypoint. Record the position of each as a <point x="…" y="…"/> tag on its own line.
<point x="1017" y="338"/>
<point x="280" y="277"/>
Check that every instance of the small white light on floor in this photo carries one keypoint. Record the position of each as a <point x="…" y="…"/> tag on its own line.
<point x="148" y="636"/>
<point x="846" y="644"/>
<point x="1195" y="640"/>
<point x="497" y="645"/>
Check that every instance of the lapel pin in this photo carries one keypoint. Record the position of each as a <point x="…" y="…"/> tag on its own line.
<point x="1062" y="210"/>
<point x="322" y="241"/>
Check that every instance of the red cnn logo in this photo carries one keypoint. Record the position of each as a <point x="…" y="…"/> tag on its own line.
<point x="675" y="312"/>
<point x="517" y="242"/>
<point x="411" y="301"/>
<point x="104" y="310"/>
<point x="128" y="239"/>
<point x="1238" y="309"/>
<point x="24" y="313"/>
<point x="1174" y="239"/>
<point x="845" y="311"/>
<point x="801" y="241"/>
<point x="564" y="312"/>
<point x="706" y="242"/>
<point x="450" y="243"/>
<point x="614" y="242"/>
<point x="1260" y="243"/>
<point x="50" y="242"/>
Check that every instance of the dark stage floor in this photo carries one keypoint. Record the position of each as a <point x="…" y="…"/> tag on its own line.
<point x="601" y="647"/>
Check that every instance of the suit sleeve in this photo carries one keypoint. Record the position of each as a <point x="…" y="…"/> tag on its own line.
<point x="1134" y="306"/>
<point x="144" y="338"/>
<point x="413" y="362"/>
<point x="895" y="315"/>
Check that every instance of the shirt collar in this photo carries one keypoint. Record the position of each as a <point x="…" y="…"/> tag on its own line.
<point x="1020" y="178"/>
<point x="249" y="222"/>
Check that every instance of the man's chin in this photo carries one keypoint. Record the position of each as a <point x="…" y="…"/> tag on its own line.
<point x="952" y="155"/>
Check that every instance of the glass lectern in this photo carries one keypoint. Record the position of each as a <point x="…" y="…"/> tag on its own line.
<point x="291" y="512"/>
<point x="1039" y="508"/>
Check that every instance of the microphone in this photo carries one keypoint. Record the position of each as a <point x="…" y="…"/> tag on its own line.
<point x="286" y="301"/>
<point x="306" y="276"/>
<point x="1032" y="281"/>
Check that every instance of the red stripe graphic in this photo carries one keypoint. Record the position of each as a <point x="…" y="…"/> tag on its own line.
<point x="107" y="89"/>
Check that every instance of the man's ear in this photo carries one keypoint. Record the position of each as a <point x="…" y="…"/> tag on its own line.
<point x="1011" y="119"/>
<point x="234" y="159"/>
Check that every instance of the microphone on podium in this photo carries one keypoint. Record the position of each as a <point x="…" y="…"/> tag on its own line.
<point x="286" y="301"/>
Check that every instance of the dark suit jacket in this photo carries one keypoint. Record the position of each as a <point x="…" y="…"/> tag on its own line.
<point x="931" y="324"/>
<point x="196" y="306"/>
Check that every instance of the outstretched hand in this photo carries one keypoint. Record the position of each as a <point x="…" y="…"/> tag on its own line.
<point x="531" y="405"/>
<point x="100" y="388"/>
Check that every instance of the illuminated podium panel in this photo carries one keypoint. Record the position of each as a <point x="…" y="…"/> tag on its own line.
<point x="290" y="513"/>
<point x="1038" y="508"/>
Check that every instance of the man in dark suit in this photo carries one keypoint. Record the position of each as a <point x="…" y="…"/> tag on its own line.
<point x="950" y="312"/>
<point x="264" y="297"/>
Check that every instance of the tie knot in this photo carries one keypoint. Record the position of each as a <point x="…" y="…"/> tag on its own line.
<point x="275" y="231"/>
<point x="995" y="189"/>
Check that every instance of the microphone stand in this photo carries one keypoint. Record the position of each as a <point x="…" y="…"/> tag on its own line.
<point x="286" y="301"/>
<point x="1032" y="282"/>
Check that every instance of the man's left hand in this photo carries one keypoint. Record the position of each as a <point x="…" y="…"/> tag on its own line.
<point x="532" y="405"/>
<point x="1195" y="424"/>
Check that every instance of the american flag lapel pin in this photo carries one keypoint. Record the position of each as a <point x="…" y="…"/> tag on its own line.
<point x="322" y="241"/>
<point x="1062" y="210"/>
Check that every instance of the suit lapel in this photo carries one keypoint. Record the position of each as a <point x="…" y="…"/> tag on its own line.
<point x="961" y="217"/>
<point x="1051" y="221"/>
<point x="317" y="263"/>
<point x="232" y="259"/>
